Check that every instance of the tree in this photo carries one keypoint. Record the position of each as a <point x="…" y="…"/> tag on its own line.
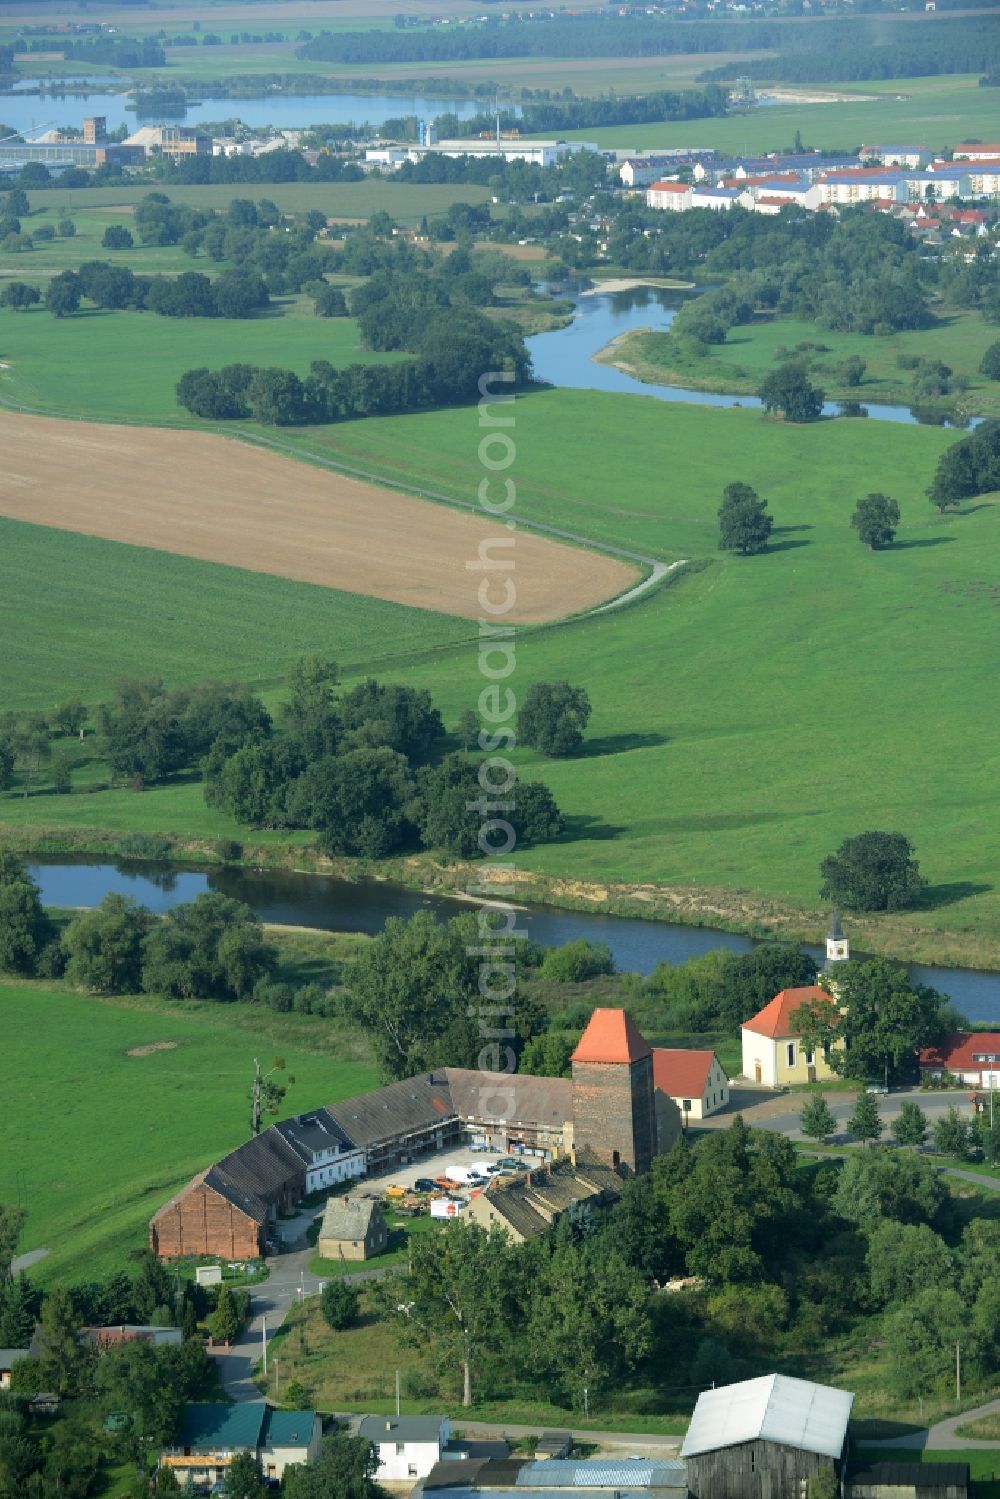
<point x="989" y="365"/>
<point x="468" y="729"/>
<point x="11" y="1223"/>
<point x="548" y="1055"/>
<point x="266" y="1094"/>
<point x="576" y="962"/>
<point x="117" y="237"/>
<point x="910" y="1125"/>
<point x="920" y="1337"/>
<point x="70" y="717"/>
<point x="244" y="1479"/>
<point x="875" y="519"/>
<point x="210" y="948"/>
<point x="817" y="1119"/>
<point x="590" y="1321"/>
<point x="25" y="928"/>
<point x="65" y="1363"/>
<point x="881" y="1019"/>
<point x="903" y="1258"/>
<point x="968" y="467"/>
<point x="734" y="1203"/>
<point x="790" y="391"/>
<point x="877" y="1184"/>
<point x="339" y="1304"/>
<point x="104" y="946"/>
<point x="952" y="1134"/>
<point x="359" y="802"/>
<point x="18" y="296"/>
<point x="346" y="1467"/>
<point x="744" y="524"/>
<point x="225" y="1321"/>
<point x="872" y="871"/>
<point x="329" y="301"/>
<point x="18" y="1313"/>
<point x="63" y="294"/>
<point x="553" y="717"/>
<point x="152" y="1286"/>
<point x="852" y="370"/>
<point x="459" y="1291"/>
<point x="67" y="228"/>
<point x="865" y="1122"/>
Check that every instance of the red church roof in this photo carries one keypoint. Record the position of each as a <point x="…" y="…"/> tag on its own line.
<point x="611" y="1036"/>
<point x="774" y="1019"/>
<point x="679" y="1072"/>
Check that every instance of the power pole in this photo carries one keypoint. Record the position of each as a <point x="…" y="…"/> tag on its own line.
<point x="958" y="1371"/>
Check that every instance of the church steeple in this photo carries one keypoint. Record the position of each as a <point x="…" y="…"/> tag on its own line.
<point x="838" y="949"/>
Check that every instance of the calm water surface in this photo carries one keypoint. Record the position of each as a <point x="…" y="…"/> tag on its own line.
<point x="316" y="901"/>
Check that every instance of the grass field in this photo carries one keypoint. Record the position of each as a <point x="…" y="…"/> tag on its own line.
<point x="958" y="340"/>
<point x="128" y="611"/>
<point x="745" y="719"/>
<point x="99" y="1139"/>
<point x="406" y="201"/>
<point x="937" y="112"/>
<point x="141" y="357"/>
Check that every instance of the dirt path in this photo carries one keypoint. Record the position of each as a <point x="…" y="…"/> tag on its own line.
<point x="202" y="495"/>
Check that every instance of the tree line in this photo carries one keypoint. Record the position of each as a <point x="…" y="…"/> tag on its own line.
<point x="872" y="1249"/>
<point x="965" y="45"/>
<point x="557" y="116"/>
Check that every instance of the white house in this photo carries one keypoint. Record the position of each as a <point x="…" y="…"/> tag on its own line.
<point x="329" y="1156"/>
<point x="983" y="175"/>
<point x="862" y="186"/>
<point x="976" y="152"/>
<point x="638" y="172"/>
<point x="693" y="1079"/>
<point x="671" y="195"/>
<point x="719" y="198"/>
<point x="407" y="1446"/>
<point x="896" y="156"/>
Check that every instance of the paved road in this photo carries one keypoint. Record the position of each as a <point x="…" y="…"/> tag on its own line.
<point x="943" y="1435"/>
<point x="289" y="1281"/>
<point x="25" y="1261"/>
<point x="766" y="1109"/>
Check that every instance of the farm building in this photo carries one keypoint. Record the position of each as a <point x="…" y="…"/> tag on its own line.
<point x="910" y="1481"/>
<point x="527" y="1205"/>
<point x="611" y="1107"/>
<point x="353" y="1228"/>
<point x="765" y="1438"/>
<point x="408" y="1447"/>
<point x="693" y="1079"/>
<point x="597" y="1478"/>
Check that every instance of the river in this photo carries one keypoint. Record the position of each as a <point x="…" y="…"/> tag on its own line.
<point x="313" y="900"/>
<point x="24" y="111"/>
<point x="565" y="357"/>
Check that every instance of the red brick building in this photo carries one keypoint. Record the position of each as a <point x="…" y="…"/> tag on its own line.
<point x="614" y="1111"/>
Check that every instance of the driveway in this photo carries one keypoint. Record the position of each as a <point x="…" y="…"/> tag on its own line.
<point x="942" y="1436"/>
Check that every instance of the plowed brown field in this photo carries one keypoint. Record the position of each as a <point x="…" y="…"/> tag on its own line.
<point x="206" y="496"/>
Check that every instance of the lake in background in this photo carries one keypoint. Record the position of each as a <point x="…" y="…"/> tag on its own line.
<point x="23" y="111"/>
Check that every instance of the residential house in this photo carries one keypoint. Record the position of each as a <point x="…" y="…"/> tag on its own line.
<point x="670" y="195"/>
<point x="353" y="1228"/>
<point x="765" y="1437"/>
<point x="974" y="151"/>
<point x="693" y="1079"/>
<point x="329" y="1156"/>
<point x="8" y="1358"/>
<point x="640" y="171"/>
<point x="862" y="185"/>
<point x="408" y="1446"/>
<point x="896" y="156"/>
<point x="983" y="174"/>
<point x="974" y="1058"/>
<point x="212" y="1435"/>
<point x="773" y="1051"/>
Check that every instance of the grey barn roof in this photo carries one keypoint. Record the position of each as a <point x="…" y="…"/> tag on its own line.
<point x="347" y="1217"/>
<point x="408" y="1107"/>
<point x="624" y="1473"/>
<point x="309" y="1134"/>
<point x="401" y="1429"/>
<point x="774" y="1408"/>
<point x="914" y="1475"/>
<point x="510" y="1098"/>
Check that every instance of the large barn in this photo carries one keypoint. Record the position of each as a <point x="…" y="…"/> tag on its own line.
<point x="610" y="1108"/>
<point x="765" y="1438"/>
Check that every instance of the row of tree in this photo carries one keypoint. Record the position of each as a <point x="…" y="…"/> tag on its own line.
<point x="235" y="294"/>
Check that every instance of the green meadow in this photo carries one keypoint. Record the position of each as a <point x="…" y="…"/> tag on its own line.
<point x="141" y="357"/>
<point x="78" y="613"/>
<point x="93" y="1140"/>
<point x="746" y="718"/>
<point x="406" y="201"/>
<point x="937" y="112"/>
<point x="958" y="340"/>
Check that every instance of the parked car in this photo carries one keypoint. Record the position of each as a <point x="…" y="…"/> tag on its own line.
<point x="424" y="1184"/>
<point x="876" y="1088"/>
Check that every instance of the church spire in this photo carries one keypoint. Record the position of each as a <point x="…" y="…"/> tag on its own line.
<point x="838" y="949"/>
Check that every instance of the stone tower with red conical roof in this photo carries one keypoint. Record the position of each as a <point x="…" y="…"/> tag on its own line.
<point x="614" y="1113"/>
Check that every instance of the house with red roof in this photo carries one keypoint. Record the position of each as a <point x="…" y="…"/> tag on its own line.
<point x="672" y="195"/>
<point x="774" y="1053"/>
<point x="694" y="1080"/>
<point x="975" y="1058"/>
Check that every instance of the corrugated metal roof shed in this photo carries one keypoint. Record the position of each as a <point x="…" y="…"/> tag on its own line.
<point x="913" y="1475"/>
<point x="625" y="1473"/>
<point x="774" y="1408"/>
